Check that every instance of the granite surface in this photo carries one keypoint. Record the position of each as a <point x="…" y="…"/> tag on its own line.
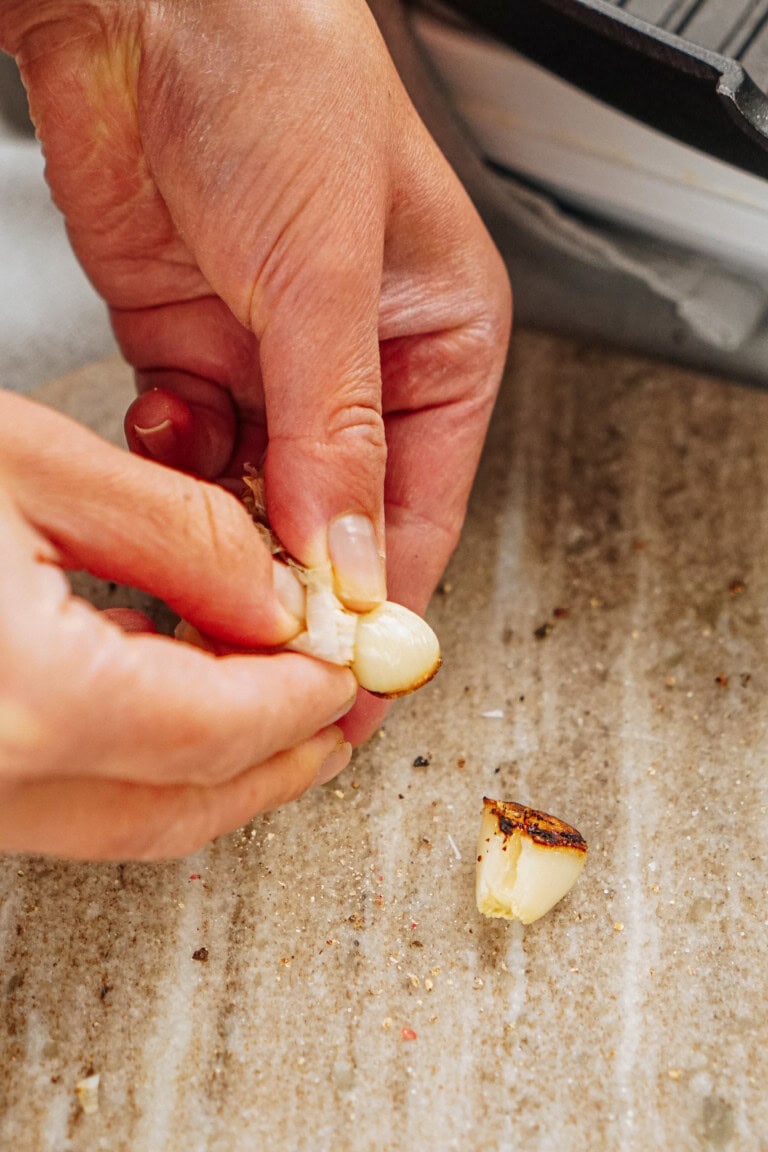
<point x="322" y="980"/>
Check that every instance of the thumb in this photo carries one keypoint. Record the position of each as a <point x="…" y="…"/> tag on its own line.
<point x="286" y="214"/>
<point x="188" y="542"/>
<point x="318" y="391"/>
<point x="326" y="450"/>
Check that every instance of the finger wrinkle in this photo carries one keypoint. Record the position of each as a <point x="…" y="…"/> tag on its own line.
<point x="273" y="278"/>
<point x="126" y="311"/>
<point x="212" y="521"/>
<point x="343" y="432"/>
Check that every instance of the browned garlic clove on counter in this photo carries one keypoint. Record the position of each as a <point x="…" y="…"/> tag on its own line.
<point x="526" y="861"/>
<point x="87" y="1092"/>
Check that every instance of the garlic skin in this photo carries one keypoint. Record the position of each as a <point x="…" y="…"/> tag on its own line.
<point x="330" y="627"/>
<point x="526" y="861"/>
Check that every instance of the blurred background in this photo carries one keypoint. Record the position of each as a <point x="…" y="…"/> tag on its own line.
<point x="51" y="320"/>
<point x="612" y="230"/>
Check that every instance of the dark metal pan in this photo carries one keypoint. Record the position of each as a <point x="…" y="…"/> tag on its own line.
<point x="650" y="70"/>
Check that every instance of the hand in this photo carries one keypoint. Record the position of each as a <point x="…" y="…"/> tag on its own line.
<point x="289" y="262"/>
<point x="119" y="745"/>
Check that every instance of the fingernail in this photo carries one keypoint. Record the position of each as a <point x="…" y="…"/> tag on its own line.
<point x="188" y="634"/>
<point x="158" y="439"/>
<point x="289" y="590"/>
<point x="335" y="763"/>
<point x="358" y="567"/>
<point x="153" y="431"/>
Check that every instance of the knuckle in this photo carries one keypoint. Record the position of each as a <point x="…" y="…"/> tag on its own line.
<point x="359" y="427"/>
<point x="501" y="307"/>
<point x="485" y="344"/>
<point x="492" y="325"/>
<point x="488" y="308"/>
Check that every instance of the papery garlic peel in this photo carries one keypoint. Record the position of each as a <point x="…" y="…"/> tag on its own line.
<point x="526" y="861"/>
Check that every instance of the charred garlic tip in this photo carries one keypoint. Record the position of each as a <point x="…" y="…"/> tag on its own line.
<point x="526" y="861"/>
<point x="395" y="651"/>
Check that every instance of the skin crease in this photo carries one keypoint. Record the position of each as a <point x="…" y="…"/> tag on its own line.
<point x="292" y="269"/>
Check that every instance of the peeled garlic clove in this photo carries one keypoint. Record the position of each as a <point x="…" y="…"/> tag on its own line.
<point x="391" y="650"/>
<point x="395" y="651"/>
<point x="526" y="861"/>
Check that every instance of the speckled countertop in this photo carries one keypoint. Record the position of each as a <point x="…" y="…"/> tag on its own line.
<point x="634" y="499"/>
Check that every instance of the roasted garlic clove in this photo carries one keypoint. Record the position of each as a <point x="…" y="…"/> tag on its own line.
<point x="396" y="651"/>
<point x="526" y="861"/>
<point x="390" y="649"/>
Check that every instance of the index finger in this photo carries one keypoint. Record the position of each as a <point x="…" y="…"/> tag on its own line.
<point x="99" y="702"/>
<point x="185" y="541"/>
